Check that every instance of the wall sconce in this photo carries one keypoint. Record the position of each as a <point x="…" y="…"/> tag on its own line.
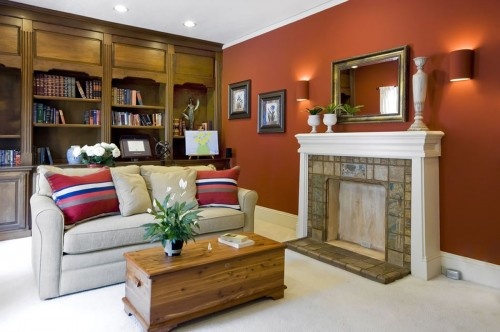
<point x="302" y="90"/>
<point x="461" y="65"/>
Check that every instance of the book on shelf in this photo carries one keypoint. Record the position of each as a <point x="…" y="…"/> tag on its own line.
<point x="80" y="89"/>
<point x="139" y="98"/>
<point x="61" y="117"/>
<point x="243" y="244"/>
<point x="49" y="156"/>
<point x="233" y="237"/>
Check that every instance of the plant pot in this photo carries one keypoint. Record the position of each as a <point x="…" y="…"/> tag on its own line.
<point x="329" y="119"/>
<point x="95" y="165"/>
<point x="173" y="247"/>
<point x="314" y="121"/>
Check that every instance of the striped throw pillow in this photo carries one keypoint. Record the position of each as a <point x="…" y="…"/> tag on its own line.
<point x="218" y="188"/>
<point x="84" y="197"/>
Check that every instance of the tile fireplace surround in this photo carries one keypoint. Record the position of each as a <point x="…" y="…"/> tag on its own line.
<point x="422" y="150"/>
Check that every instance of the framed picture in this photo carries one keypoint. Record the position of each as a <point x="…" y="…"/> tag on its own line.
<point x="272" y="112"/>
<point x="202" y="143"/>
<point x="135" y="147"/>
<point x="239" y="100"/>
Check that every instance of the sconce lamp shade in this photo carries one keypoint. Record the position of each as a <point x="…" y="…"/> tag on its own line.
<point x="302" y="90"/>
<point x="461" y="65"/>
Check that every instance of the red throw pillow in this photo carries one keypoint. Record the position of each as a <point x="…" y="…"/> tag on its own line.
<point x="218" y="188"/>
<point x="84" y="197"/>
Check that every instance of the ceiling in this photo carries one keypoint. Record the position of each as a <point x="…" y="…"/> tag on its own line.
<point x="227" y="22"/>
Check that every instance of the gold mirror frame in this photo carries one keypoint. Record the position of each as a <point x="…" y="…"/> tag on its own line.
<point x="399" y="54"/>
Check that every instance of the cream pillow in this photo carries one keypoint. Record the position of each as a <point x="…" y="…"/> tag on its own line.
<point x="147" y="170"/>
<point x="132" y="193"/>
<point x="162" y="181"/>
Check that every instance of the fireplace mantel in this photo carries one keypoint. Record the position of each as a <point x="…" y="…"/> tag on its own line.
<point x="423" y="148"/>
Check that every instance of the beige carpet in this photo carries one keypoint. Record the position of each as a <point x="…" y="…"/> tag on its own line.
<point x="319" y="298"/>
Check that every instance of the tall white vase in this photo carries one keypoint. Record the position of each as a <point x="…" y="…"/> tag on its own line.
<point x="313" y="120"/>
<point x="419" y="94"/>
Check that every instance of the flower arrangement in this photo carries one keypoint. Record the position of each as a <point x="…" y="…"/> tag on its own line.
<point x="100" y="153"/>
<point x="176" y="219"/>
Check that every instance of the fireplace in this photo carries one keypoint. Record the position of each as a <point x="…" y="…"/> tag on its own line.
<point x="402" y="168"/>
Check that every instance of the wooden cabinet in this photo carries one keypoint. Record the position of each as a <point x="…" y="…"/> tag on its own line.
<point x="14" y="186"/>
<point x="160" y="72"/>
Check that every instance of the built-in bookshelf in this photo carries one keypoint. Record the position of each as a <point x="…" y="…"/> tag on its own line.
<point x="66" y="111"/>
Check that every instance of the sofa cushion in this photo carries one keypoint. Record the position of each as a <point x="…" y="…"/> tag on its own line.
<point x="147" y="170"/>
<point x="132" y="193"/>
<point x="84" y="197"/>
<point x="106" y="233"/>
<point x="43" y="187"/>
<point x="218" y="188"/>
<point x="169" y="183"/>
<point x="218" y="219"/>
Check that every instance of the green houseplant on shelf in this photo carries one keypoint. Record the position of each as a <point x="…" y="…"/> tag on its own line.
<point x="332" y="111"/>
<point x="176" y="222"/>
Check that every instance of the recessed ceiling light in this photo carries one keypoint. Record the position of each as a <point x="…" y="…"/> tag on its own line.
<point x="189" y="24"/>
<point x="121" y="8"/>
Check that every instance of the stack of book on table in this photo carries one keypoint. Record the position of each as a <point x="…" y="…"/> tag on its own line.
<point x="235" y="240"/>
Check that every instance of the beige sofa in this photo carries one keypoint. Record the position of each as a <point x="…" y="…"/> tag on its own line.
<point x="90" y="254"/>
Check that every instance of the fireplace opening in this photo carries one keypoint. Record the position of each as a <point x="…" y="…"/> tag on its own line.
<point x="356" y="217"/>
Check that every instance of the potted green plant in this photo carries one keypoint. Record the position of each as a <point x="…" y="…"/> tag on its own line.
<point x="176" y="222"/>
<point x="313" y="119"/>
<point x="342" y="109"/>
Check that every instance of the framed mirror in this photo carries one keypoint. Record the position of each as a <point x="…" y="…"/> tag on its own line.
<point x="378" y="81"/>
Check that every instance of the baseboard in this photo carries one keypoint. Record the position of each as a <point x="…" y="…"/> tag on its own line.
<point x="472" y="270"/>
<point x="280" y="218"/>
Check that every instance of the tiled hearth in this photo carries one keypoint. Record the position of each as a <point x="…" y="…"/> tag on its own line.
<point x="406" y="164"/>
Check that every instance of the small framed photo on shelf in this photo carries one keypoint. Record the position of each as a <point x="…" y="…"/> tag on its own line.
<point x="239" y="100"/>
<point x="135" y="146"/>
<point x="272" y="112"/>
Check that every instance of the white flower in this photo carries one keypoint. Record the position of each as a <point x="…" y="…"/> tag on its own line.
<point x="169" y="189"/>
<point x="116" y="152"/>
<point x="90" y="151"/>
<point x="149" y="210"/>
<point x="99" y="151"/>
<point x="77" y="151"/>
<point x="183" y="184"/>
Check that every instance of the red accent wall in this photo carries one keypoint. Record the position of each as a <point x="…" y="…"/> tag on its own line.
<point x="467" y="112"/>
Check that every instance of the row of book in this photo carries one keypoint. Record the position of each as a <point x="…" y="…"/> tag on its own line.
<point x="42" y="155"/>
<point x="236" y="240"/>
<point x="10" y="158"/>
<point x="126" y="96"/>
<point x="92" y="117"/>
<point x="133" y="119"/>
<point x="47" y="114"/>
<point x="66" y="86"/>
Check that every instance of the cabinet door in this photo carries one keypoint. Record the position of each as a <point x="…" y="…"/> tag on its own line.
<point x="13" y="219"/>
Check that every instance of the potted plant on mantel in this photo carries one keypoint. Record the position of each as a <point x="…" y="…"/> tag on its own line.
<point x="313" y="119"/>
<point x="333" y="110"/>
<point x="176" y="222"/>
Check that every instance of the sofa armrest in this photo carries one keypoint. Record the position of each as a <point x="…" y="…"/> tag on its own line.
<point x="248" y="200"/>
<point x="47" y="244"/>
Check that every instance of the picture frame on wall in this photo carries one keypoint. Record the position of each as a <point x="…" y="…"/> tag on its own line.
<point x="272" y="112"/>
<point x="239" y="100"/>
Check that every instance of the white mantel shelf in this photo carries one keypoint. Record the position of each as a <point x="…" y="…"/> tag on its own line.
<point x="423" y="148"/>
<point x="397" y="144"/>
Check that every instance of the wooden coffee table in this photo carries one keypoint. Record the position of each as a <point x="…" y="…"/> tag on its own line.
<point x="164" y="291"/>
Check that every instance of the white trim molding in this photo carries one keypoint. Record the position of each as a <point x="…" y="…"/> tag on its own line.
<point x="472" y="270"/>
<point x="276" y="217"/>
